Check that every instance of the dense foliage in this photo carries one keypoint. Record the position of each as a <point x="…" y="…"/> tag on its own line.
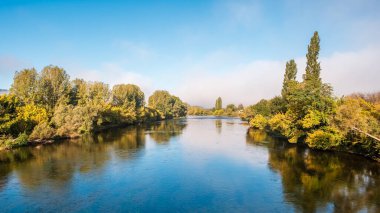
<point x="306" y="112"/>
<point x="168" y="106"/>
<point x="48" y="105"/>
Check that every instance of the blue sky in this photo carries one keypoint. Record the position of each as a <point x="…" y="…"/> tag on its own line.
<point x="198" y="50"/>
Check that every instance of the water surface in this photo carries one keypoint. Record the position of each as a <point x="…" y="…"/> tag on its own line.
<point x="195" y="164"/>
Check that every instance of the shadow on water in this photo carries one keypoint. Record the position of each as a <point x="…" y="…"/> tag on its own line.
<point x="57" y="163"/>
<point x="162" y="132"/>
<point x="319" y="181"/>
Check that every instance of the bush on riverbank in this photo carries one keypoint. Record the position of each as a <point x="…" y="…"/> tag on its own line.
<point x="306" y="112"/>
<point x="48" y="105"/>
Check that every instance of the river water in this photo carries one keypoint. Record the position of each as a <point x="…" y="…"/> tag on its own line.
<point x="203" y="164"/>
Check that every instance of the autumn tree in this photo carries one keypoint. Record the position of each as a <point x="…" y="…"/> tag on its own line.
<point x="231" y="107"/>
<point x="24" y="85"/>
<point x="79" y="92"/>
<point x="127" y="95"/>
<point x="98" y="93"/>
<point x="53" y="86"/>
<point x="169" y="106"/>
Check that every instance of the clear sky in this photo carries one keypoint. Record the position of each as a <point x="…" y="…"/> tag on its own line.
<point x="197" y="50"/>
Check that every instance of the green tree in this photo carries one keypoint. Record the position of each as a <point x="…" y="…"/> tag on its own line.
<point x="218" y="104"/>
<point x="313" y="67"/>
<point x="8" y="114"/>
<point x="79" y="92"/>
<point x="289" y="77"/>
<point x="98" y="93"/>
<point x="24" y="85"/>
<point x="169" y="106"/>
<point x="127" y="95"/>
<point x="53" y="86"/>
<point x="231" y="107"/>
<point x="263" y="107"/>
<point x="163" y="102"/>
<point x="179" y="107"/>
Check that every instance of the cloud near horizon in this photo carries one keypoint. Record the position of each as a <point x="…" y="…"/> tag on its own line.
<point x="347" y="72"/>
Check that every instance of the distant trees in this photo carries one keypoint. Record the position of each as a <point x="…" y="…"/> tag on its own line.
<point x="47" y="105"/>
<point x="197" y="110"/>
<point x="230" y="110"/>
<point x="218" y="103"/>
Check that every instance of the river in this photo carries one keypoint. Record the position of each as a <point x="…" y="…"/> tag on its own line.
<point x="203" y="164"/>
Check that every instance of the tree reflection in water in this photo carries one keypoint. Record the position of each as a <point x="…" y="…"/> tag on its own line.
<point x="161" y="132"/>
<point x="315" y="180"/>
<point x="218" y="125"/>
<point x="55" y="165"/>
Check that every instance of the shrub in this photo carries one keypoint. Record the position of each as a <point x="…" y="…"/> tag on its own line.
<point x="219" y="112"/>
<point x="313" y="119"/>
<point x="42" y="131"/>
<point x="21" y="140"/>
<point x="259" y="122"/>
<point x="281" y="123"/>
<point x="324" y="138"/>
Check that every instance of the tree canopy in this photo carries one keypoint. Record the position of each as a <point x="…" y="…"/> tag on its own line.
<point x="47" y="105"/>
<point x="168" y="105"/>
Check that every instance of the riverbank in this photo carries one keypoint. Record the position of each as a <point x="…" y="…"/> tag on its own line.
<point x="38" y="142"/>
<point x="342" y="149"/>
<point x="34" y="111"/>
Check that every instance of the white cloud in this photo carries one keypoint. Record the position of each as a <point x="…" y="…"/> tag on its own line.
<point x="348" y="72"/>
<point x="245" y="84"/>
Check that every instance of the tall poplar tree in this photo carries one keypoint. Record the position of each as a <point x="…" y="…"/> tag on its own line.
<point x="313" y="67"/>
<point x="289" y="77"/>
<point x="218" y="103"/>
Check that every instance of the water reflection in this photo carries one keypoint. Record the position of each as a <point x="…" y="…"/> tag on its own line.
<point x="56" y="164"/>
<point x="218" y="125"/>
<point x="213" y="164"/>
<point x="161" y="132"/>
<point x="319" y="181"/>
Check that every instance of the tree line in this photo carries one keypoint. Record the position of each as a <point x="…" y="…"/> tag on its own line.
<point x="308" y="113"/>
<point x="230" y="110"/>
<point x="48" y="105"/>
